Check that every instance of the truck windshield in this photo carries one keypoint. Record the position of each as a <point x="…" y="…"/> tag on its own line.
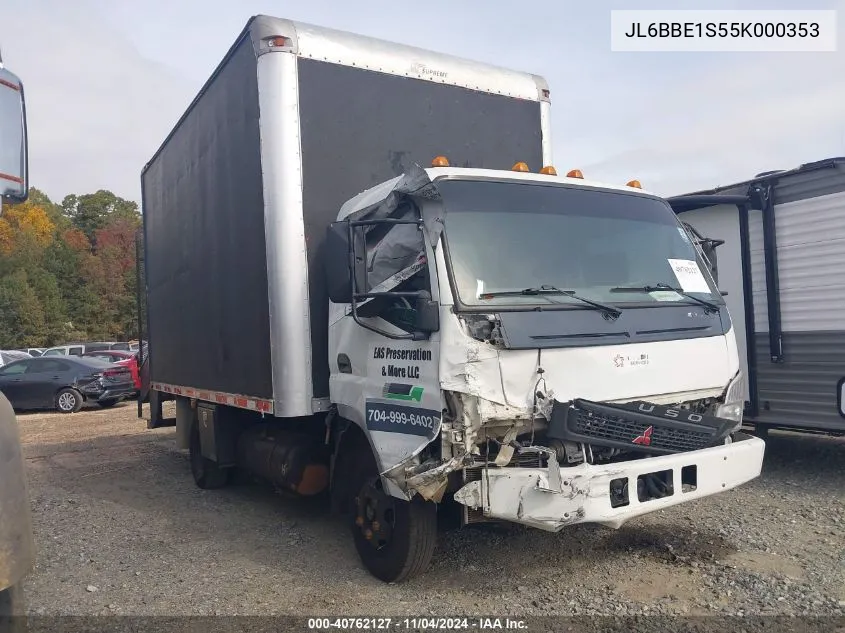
<point x="506" y="236"/>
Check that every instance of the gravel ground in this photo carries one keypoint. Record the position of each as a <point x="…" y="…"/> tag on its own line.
<point x="122" y="530"/>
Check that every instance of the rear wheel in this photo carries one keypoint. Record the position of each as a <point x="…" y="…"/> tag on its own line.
<point x="207" y="474"/>
<point x="68" y="401"/>
<point x="395" y="539"/>
<point x="107" y="404"/>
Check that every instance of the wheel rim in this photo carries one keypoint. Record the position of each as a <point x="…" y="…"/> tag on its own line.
<point x="376" y="515"/>
<point x="67" y="401"/>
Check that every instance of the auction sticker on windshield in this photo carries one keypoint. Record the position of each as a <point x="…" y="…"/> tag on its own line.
<point x="689" y="275"/>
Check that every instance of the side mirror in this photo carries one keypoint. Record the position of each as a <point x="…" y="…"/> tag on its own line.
<point x="708" y="248"/>
<point x="338" y="281"/>
<point x="338" y="261"/>
<point x="428" y="314"/>
<point x="14" y="177"/>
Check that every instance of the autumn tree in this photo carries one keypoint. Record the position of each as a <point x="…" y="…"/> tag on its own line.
<point x="21" y="316"/>
<point x="93" y="211"/>
<point x="67" y="271"/>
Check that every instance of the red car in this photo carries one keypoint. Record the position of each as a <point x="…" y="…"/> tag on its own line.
<point x="127" y="359"/>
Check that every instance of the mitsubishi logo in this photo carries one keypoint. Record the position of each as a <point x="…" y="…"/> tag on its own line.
<point x="645" y="438"/>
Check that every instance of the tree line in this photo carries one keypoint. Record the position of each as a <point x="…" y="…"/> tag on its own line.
<point x="67" y="271"/>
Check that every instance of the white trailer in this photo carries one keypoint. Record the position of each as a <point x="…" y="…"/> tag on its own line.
<point x="782" y="265"/>
<point x="328" y="314"/>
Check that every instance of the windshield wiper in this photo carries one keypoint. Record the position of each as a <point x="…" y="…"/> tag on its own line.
<point x="546" y="289"/>
<point x="661" y="286"/>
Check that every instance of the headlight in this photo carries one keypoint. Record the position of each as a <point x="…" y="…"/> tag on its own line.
<point x="734" y="401"/>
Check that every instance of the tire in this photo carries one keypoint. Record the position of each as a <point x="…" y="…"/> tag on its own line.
<point x="68" y="401"/>
<point x="207" y="474"/>
<point x="408" y="529"/>
<point x="108" y="404"/>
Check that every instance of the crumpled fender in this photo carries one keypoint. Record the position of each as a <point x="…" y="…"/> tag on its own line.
<point x="17" y="548"/>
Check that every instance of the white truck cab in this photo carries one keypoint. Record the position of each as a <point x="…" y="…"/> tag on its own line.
<point x="557" y="344"/>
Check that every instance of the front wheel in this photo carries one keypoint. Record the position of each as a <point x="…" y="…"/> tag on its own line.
<point x="395" y="538"/>
<point x="68" y="401"/>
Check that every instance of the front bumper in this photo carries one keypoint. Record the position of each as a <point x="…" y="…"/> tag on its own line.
<point x="553" y="497"/>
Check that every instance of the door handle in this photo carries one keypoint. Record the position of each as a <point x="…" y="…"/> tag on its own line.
<point x="344" y="364"/>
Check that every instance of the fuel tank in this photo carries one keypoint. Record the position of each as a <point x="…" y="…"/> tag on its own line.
<point x="292" y="461"/>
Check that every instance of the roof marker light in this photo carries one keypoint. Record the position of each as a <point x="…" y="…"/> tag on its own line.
<point x="574" y="173"/>
<point x="440" y="161"/>
<point x="634" y="183"/>
<point x="549" y="170"/>
<point x="520" y="166"/>
<point x="278" y="41"/>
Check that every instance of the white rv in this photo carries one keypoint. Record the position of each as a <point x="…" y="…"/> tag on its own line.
<point x="781" y="262"/>
<point x="331" y="313"/>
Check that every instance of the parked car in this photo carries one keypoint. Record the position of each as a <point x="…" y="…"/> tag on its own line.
<point x="32" y="351"/>
<point x="64" y="384"/>
<point x="78" y="349"/>
<point x="126" y="359"/>
<point x="10" y="355"/>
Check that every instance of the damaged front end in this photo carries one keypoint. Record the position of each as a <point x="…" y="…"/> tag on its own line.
<point x="602" y="463"/>
<point x="549" y="462"/>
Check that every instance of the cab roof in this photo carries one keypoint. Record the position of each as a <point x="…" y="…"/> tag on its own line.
<point x="383" y="190"/>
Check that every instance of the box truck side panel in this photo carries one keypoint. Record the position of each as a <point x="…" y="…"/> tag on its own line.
<point x="361" y="127"/>
<point x="205" y="248"/>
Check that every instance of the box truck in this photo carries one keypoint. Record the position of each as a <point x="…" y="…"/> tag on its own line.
<point x="17" y="548"/>
<point x="782" y="263"/>
<point x="333" y="315"/>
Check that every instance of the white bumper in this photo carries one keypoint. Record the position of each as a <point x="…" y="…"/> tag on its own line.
<point x="552" y="498"/>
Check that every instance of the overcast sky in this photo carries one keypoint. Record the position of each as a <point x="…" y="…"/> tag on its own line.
<point x="107" y="79"/>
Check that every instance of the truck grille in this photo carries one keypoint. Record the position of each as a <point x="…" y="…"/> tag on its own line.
<point x="619" y="429"/>
<point x="636" y="426"/>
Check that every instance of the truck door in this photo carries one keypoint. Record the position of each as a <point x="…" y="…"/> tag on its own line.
<point x="384" y="369"/>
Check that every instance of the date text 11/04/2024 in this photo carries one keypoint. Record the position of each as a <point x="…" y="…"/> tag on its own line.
<point x="432" y="623"/>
